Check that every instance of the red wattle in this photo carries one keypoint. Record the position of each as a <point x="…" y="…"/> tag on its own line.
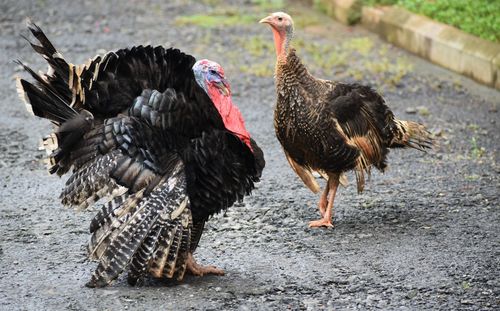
<point x="278" y="42"/>
<point x="231" y="115"/>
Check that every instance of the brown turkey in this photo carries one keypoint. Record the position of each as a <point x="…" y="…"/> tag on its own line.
<point x="154" y="131"/>
<point x="332" y="127"/>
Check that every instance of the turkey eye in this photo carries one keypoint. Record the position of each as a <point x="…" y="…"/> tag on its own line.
<point x="212" y="71"/>
<point x="280" y="18"/>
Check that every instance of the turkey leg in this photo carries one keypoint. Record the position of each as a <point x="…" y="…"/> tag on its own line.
<point x="196" y="269"/>
<point x="323" y="200"/>
<point x="326" y="221"/>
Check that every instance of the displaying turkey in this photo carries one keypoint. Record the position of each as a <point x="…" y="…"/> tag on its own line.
<point x="156" y="133"/>
<point x="332" y="127"/>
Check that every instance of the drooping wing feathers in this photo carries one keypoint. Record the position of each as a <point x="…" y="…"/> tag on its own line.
<point x="126" y="153"/>
<point x="167" y="243"/>
<point x="140" y="262"/>
<point x="104" y="226"/>
<point x="179" y="268"/>
<point x="169" y="258"/>
<point x="304" y="173"/>
<point x="128" y="235"/>
<point x="219" y="175"/>
<point x="91" y="182"/>
<point x="360" y="117"/>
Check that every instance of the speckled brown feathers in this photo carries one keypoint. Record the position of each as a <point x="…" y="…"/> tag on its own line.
<point x="331" y="127"/>
<point x="336" y="127"/>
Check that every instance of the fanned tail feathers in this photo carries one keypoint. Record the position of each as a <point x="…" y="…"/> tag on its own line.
<point x="145" y="233"/>
<point x="43" y="101"/>
<point x="59" y="69"/>
<point x="50" y="97"/>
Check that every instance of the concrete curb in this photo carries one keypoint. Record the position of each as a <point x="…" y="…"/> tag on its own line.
<point x="441" y="44"/>
<point x="348" y="12"/>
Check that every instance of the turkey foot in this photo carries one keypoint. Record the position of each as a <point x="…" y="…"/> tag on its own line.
<point x="323" y="222"/>
<point x="198" y="270"/>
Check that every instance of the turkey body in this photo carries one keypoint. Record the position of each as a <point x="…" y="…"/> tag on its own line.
<point x="332" y="127"/>
<point x="135" y="126"/>
<point x="320" y="123"/>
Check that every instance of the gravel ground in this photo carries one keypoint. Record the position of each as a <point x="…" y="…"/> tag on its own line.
<point x="424" y="235"/>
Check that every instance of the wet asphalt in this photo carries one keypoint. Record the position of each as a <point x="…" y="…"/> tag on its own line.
<point x="423" y="236"/>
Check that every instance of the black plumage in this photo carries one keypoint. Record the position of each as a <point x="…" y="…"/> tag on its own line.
<point x="135" y="126"/>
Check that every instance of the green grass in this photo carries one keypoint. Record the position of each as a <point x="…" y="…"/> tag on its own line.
<point x="362" y="45"/>
<point x="476" y="151"/>
<point x="269" y="4"/>
<point x="230" y="16"/>
<point x="263" y="69"/>
<point x="466" y="285"/>
<point x="257" y="46"/>
<point x="214" y="20"/>
<point x="477" y="17"/>
<point x="302" y="21"/>
<point x="327" y="59"/>
<point x="320" y="6"/>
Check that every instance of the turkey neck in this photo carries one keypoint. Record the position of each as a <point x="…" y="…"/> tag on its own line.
<point x="290" y="72"/>
<point x="291" y="78"/>
<point x="294" y="105"/>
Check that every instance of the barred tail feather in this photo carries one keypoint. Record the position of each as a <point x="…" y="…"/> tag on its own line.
<point x="412" y="134"/>
<point x="135" y="229"/>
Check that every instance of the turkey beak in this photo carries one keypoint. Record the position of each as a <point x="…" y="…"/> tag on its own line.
<point x="223" y="87"/>
<point x="266" y="20"/>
